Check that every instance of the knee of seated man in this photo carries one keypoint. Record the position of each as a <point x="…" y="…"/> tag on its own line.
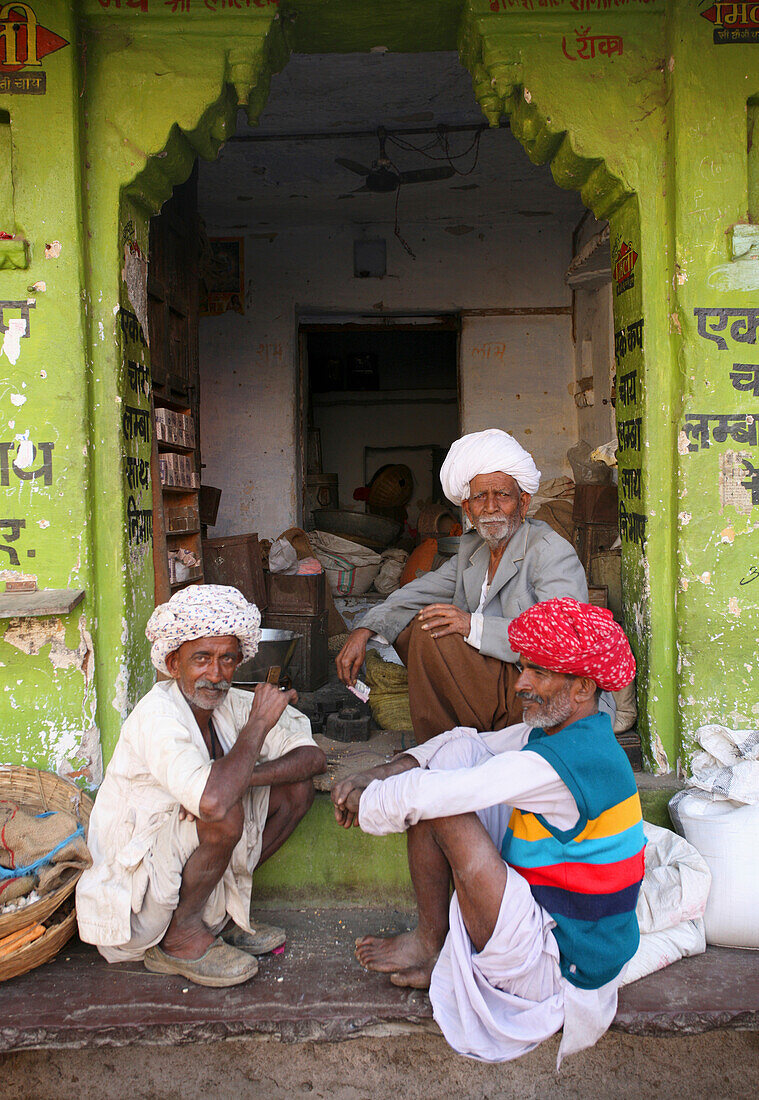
<point x="299" y="797"/>
<point x="227" y="830"/>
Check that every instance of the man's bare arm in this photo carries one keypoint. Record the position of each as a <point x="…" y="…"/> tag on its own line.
<point x="231" y="776"/>
<point x="300" y="763"/>
<point x="347" y="793"/>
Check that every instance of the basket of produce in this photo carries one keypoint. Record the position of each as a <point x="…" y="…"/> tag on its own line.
<point x="38" y="942"/>
<point x="42" y="851"/>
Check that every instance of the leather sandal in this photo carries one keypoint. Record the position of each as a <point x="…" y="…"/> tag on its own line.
<point x="263" y="938"/>
<point x="221" y="965"/>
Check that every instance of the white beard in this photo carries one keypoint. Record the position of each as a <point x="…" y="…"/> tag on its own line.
<point x="546" y="715"/>
<point x="495" y="532"/>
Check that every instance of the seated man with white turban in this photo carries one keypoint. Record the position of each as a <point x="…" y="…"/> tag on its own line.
<point x="206" y="782"/>
<point x="450" y="627"/>
<point x="539" y="825"/>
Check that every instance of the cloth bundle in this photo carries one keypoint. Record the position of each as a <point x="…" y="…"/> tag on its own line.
<point x="671" y="903"/>
<point x="36" y="849"/>
<point x="728" y="766"/>
<point x="390" y="571"/>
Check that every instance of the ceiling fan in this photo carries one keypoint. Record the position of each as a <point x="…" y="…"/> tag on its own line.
<point x="383" y="176"/>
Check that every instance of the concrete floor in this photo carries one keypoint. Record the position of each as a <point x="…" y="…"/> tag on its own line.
<point x="720" y="1065"/>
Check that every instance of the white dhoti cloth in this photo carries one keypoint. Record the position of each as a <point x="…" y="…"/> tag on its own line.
<point x="156" y="885"/>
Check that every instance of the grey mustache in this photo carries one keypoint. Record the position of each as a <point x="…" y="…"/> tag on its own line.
<point x="208" y="685"/>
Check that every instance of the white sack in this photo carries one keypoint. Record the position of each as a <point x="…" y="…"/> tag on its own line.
<point x="350" y="567"/>
<point x="671" y="903"/>
<point x="389" y="576"/>
<point x="726" y="833"/>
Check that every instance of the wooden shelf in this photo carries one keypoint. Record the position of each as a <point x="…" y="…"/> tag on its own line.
<point x="163" y="446"/>
<point x="195" y="579"/>
<point x="33" y="605"/>
<point x="180" y="488"/>
<point x="176" y="534"/>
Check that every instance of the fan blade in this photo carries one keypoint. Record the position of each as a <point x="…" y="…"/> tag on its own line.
<point x="427" y="175"/>
<point x="352" y="166"/>
<point x="356" y="191"/>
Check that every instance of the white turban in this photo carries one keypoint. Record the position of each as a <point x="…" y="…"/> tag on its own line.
<point x="488" y="452"/>
<point x="203" y="611"/>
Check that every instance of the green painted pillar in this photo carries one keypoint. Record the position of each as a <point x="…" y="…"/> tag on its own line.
<point x="715" y="276"/>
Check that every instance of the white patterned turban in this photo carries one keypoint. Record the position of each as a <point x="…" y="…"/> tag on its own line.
<point x="490" y="452"/>
<point x="203" y="611"/>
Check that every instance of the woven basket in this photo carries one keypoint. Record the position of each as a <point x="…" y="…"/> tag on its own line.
<point x="42" y="791"/>
<point x="60" y="927"/>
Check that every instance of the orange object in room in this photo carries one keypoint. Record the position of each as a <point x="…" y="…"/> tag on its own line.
<point x="420" y="560"/>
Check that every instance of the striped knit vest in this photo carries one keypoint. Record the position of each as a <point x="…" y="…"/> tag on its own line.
<point x="587" y="877"/>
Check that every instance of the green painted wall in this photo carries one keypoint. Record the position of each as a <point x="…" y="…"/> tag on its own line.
<point x="48" y="697"/>
<point x="652" y="129"/>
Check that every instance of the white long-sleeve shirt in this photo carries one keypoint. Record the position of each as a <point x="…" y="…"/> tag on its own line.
<point x="522" y="779"/>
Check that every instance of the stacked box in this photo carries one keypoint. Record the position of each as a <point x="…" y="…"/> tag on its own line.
<point x="175" y="428"/>
<point x="177" y="471"/>
<point x="182" y="517"/>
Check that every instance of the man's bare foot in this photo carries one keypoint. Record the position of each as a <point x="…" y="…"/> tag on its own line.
<point x="392" y="954"/>
<point x="415" y="977"/>
<point x="187" y="945"/>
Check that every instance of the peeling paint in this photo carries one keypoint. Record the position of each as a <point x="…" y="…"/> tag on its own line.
<point x="733" y="607"/>
<point x="728" y="535"/>
<point x="53" y="250"/>
<point x="30" y="636"/>
<point x="661" y="763"/>
<point x="12" y="340"/>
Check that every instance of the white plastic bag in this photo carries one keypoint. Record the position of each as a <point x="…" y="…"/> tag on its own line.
<point x="729" y="765"/>
<point x="671" y="903"/>
<point x="282" y="557"/>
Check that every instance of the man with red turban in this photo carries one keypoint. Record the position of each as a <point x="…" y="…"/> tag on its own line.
<point x="539" y="826"/>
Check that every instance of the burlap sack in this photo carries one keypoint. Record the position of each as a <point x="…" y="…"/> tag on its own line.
<point x="389" y="699"/>
<point x="37" y="849"/>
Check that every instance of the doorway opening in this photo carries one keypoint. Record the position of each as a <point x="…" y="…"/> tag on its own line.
<point x="376" y="397"/>
<point x="491" y="306"/>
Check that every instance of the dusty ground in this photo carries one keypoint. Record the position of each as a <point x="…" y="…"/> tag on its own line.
<point x="720" y="1065"/>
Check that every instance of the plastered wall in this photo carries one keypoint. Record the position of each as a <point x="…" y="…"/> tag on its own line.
<point x="249" y="368"/>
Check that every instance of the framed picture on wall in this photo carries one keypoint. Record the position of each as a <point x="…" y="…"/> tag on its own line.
<point x="222" y="283"/>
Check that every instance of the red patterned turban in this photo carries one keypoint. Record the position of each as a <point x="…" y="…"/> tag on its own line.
<point x="579" y="639"/>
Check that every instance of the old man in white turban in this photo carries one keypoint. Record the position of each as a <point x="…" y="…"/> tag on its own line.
<point x="450" y="627"/>
<point x="205" y="783"/>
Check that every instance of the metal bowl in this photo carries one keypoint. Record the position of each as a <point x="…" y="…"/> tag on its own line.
<point x="376" y="532"/>
<point x="275" y="648"/>
<point x="448" y="545"/>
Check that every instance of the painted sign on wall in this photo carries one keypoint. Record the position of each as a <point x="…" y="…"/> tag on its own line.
<point x="736" y="22"/>
<point x="24" y="43"/>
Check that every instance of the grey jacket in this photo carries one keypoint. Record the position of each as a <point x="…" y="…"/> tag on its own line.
<point x="538" y="564"/>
